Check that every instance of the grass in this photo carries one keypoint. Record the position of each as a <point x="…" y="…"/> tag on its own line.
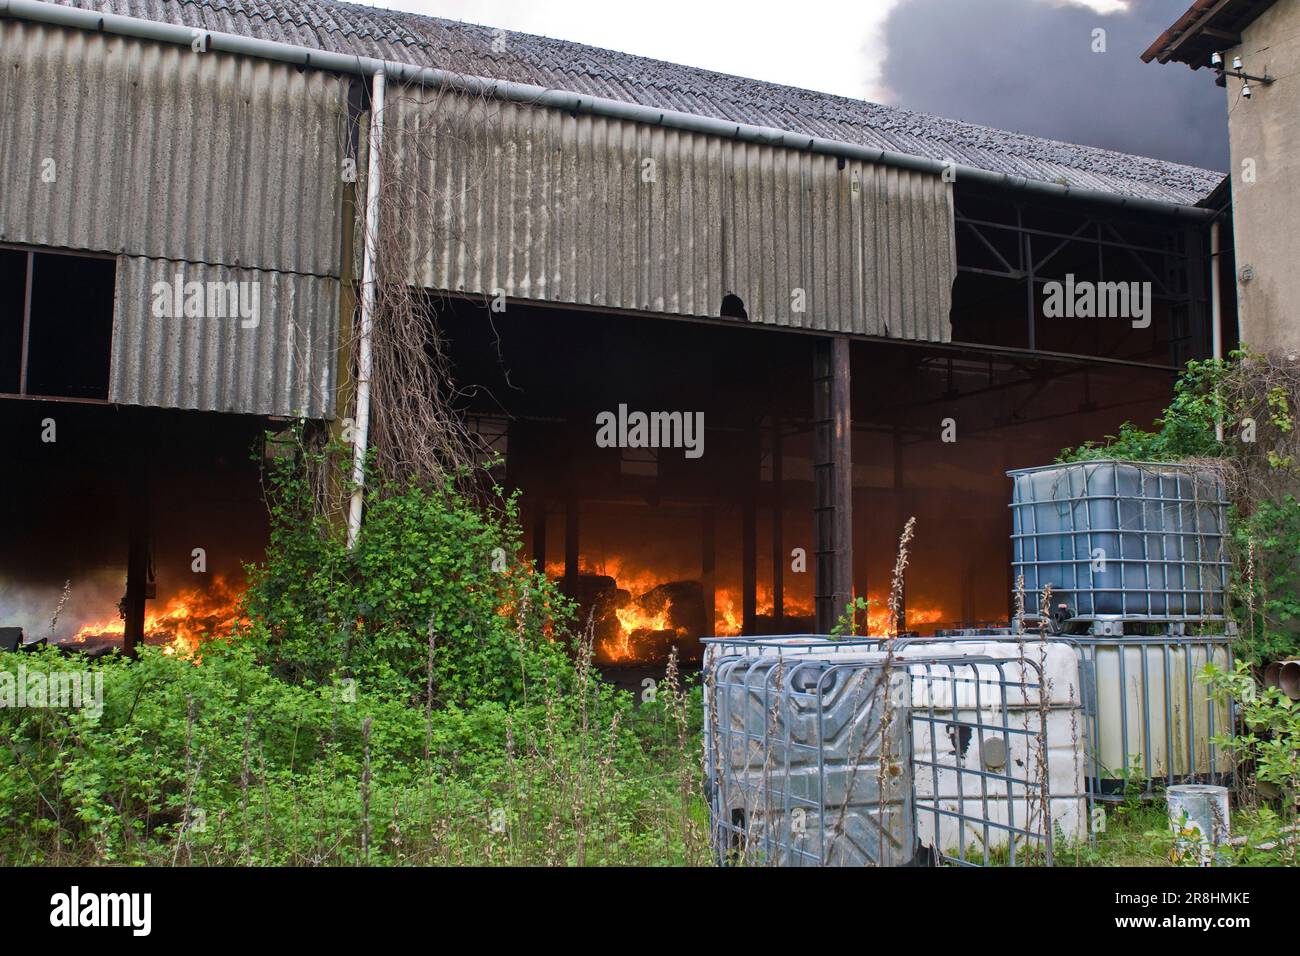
<point x="1126" y="840"/>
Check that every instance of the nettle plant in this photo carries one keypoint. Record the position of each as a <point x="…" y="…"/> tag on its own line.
<point x="854" y="618"/>
<point x="1271" y="722"/>
<point x="1268" y="740"/>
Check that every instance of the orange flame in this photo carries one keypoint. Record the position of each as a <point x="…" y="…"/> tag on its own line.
<point x="643" y="626"/>
<point x="881" y="624"/>
<point x="640" y="623"/>
<point x="182" y="623"/>
<point x="729" y="615"/>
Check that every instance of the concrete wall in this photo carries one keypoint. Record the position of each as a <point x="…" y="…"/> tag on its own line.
<point x="1265" y="135"/>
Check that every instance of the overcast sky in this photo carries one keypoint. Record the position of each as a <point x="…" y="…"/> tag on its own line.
<point x="1026" y="65"/>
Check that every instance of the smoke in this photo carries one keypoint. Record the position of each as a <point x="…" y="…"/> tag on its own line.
<point x="1029" y="66"/>
<point x="92" y="597"/>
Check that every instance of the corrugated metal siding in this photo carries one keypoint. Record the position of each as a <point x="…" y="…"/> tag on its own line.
<point x="545" y="205"/>
<point x="283" y="366"/>
<point x="559" y="64"/>
<point x="218" y="167"/>
<point x="163" y="152"/>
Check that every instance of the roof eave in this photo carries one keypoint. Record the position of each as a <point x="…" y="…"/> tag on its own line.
<point x="1206" y="26"/>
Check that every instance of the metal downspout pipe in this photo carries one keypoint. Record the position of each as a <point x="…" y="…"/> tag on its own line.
<point x="370" y="237"/>
<point x="1216" y="308"/>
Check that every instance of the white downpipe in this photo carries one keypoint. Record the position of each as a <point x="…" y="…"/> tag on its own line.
<point x="1216" y="309"/>
<point x="369" y="238"/>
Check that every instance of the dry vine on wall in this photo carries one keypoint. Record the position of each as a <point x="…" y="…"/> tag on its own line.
<point x="417" y="430"/>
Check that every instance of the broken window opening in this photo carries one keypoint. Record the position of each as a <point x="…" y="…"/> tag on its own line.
<point x="56" y="324"/>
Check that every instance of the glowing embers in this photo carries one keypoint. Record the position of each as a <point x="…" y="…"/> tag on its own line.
<point x="179" y="624"/>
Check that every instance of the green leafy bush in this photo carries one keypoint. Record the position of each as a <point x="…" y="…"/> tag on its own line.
<point x="418" y="699"/>
<point x="1185" y="430"/>
<point x="1266" y="543"/>
<point x="1266" y="744"/>
<point x="1271" y="724"/>
<point x="221" y="762"/>
<point x="430" y="574"/>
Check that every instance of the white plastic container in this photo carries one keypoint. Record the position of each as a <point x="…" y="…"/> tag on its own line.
<point x="1154" y="716"/>
<point x="974" y="714"/>
<point x="976" y="785"/>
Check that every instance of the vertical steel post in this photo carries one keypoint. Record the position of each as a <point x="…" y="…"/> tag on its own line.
<point x="749" y="565"/>
<point x="832" y="479"/>
<point x="778" y="537"/>
<point x="539" y="534"/>
<point x="137" y="559"/>
<point x="571" y="552"/>
<point x="708" y="567"/>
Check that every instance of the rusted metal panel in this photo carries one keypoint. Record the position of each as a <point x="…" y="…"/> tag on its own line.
<point x="138" y="148"/>
<point x="537" y="204"/>
<point x="276" y="357"/>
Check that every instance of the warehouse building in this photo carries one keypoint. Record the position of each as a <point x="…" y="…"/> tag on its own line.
<point x="843" y="314"/>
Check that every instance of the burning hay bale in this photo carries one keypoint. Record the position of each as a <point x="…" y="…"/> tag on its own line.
<point x="668" y="615"/>
<point x="599" y="598"/>
<point x="178" y="624"/>
<point x="641" y="627"/>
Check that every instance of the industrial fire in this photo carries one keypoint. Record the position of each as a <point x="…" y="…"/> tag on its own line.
<point x="479" y="447"/>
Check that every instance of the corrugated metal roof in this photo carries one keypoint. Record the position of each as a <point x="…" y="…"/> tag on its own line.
<point x="159" y="152"/>
<point x="285" y="365"/>
<point x="429" y="41"/>
<point x="537" y="204"/>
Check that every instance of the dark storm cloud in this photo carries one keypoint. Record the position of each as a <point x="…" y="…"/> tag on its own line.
<point x="1028" y="66"/>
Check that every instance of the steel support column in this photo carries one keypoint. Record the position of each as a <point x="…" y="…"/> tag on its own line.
<point x="708" y="566"/>
<point x="539" y="534"/>
<point x="778" y="537"/>
<point x="833" y="480"/>
<point x="137" y="558"/>
<point x="571" y="551"/>
<point x="749" y="566"/>
<point x="1197" y="342"/>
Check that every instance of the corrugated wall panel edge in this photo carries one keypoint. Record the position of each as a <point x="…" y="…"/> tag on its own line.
<point x="266" y="345"/>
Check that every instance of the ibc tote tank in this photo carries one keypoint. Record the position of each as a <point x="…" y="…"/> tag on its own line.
<point x="1128" y="539"/>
